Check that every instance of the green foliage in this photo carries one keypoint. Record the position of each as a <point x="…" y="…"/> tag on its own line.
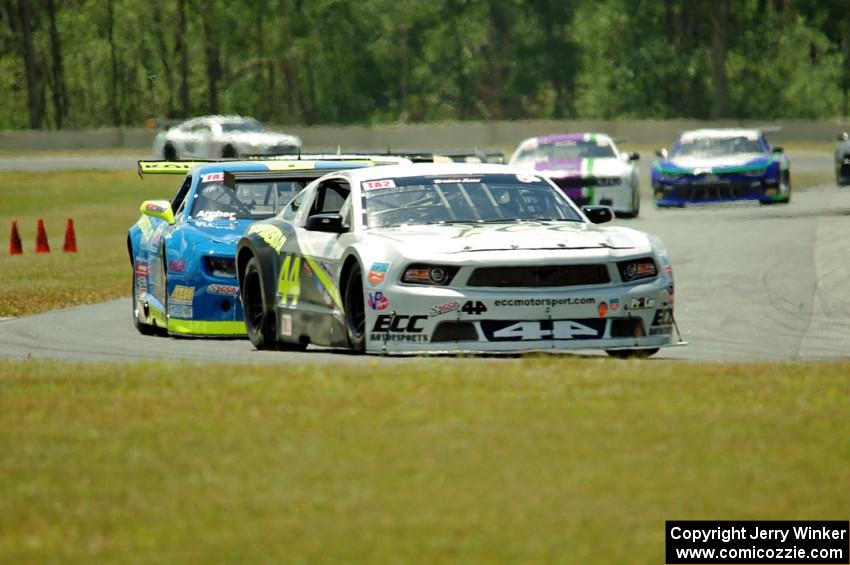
<point x="336" y="61"/>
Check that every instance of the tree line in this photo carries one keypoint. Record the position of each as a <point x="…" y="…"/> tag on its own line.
<point x="94" y="63"/>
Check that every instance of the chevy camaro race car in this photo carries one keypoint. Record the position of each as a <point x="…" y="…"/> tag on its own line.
<point x="182" y="251"/>
<point x="842" y="160"/>
<point x="451" y="258"/>
<point x="721" y="165"/>
<point x="213" y="137"/>
<point x="587" y="167"/>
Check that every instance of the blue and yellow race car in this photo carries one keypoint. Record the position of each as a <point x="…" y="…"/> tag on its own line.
<point x="721" y="165"/>
<point x="182" y="250"/>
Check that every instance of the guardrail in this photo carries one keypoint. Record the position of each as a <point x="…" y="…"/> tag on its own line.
<point x="443" y="134"/>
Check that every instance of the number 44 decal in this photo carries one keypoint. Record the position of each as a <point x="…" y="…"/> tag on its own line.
<point x="473" y="307"/>
<point x="542" y="330"/>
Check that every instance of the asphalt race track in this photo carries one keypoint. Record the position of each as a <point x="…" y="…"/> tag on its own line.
<point x="752" y="283"/>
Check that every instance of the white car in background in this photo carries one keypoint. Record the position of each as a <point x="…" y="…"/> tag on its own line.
<point x="214" y="137"/>
<point x="451" y="258"/>
<point x="587" y="167"/>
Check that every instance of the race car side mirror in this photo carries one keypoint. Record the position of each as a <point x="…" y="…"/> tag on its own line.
<point x="158" y="209"/>
<point x="661" y="153"/>
<point x="329" y="223"/>
<point x="598" y="214"/>
<point x="843" y="136"/>
<point x="778" y="150"/>
<point x="634" y="156"/>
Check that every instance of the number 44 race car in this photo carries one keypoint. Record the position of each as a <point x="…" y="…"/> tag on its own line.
<point x="451" y="258"/>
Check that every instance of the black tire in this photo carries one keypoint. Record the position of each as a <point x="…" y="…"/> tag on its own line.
<point x="786" y="181"/>
<point x="355" y="309"/>
<point x="142" y="328"/>
<point x="260" y="324"/>
<point x="229" y="152"/>
<point x="631" y="353"/>
<point x="169" y="153"/>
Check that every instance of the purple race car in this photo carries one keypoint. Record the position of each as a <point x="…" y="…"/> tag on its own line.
<point x="587" y="167"/>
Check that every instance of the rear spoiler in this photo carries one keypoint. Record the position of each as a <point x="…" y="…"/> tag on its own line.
<point x="415" y="156"/>
<point x="169" y="167"/>
<point x="232" y="178"/>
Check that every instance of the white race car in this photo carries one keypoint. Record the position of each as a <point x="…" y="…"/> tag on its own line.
<point x="588" y="167"/>
<point x="214" y="137"/>
<point x="451" y="258"/>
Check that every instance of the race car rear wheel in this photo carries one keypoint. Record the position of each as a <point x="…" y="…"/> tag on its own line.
<point x="631" y="353"/>
<point x="169" y="153"/>
<point x="229" y="152"/>
<point x="355" y="309"/>
<point x="260" y="323"/>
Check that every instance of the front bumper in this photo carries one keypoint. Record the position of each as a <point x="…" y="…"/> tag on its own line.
<point x="438" y="320"/>
<point x="714" y="188"/>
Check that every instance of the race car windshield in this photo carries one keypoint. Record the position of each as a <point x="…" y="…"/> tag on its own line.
<point x="249" y="201"/>
<point x="716" y="146"/>
<point x="464" y="199"/>
<point x="241" y="126"/>
<point x="566" y="150"/>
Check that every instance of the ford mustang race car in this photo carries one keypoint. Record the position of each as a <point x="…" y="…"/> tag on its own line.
<point x="182" y="251"/>
<point x="720" y="165"/>
<point x="451" y="258"/>
<point x="587" y="167"/>
<point x="212" y="137"/>
<point x="842" y="160"/>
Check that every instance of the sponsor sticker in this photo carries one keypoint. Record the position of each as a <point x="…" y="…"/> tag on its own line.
<point x="663" y="317"/>
<point x="642" y="303"/>
<point x="212" y="215"/>
<point x="376" y="184"/>
<point x="399" y="328"/>
<point x="377" y="273"/>
<point x="213" y="177"/>
<point x="268" y="233"/>
<point x="141" y="268"/>
<point x="526" y="302"/>
<point x="177" y="265"/>
<point x="155" y="208"/>
<point x="180" y="310"/>
<point x="182" y="294"/>
<point x="441" y="309"/>
<point x="378" y="301"/>
<point x="223" y="289"/>
<point x="603" y="309"/>
<point x="457" y="181"/>
<point x="286" y="325"/>
<point x="614" y="304"/>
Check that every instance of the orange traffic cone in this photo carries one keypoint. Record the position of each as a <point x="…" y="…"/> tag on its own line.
<point x="15" y="247"/>
<point x="41" y="245"/>
<point x="70" y="245"/>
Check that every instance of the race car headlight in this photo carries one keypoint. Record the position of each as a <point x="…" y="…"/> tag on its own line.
<point x="637" y="269"/>
<point x="221" y="267"/>
<point x="434" y="275"/>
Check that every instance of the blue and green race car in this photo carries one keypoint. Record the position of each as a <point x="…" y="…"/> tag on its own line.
<point x="721" y="165"/>
<point x="182" y="250"/>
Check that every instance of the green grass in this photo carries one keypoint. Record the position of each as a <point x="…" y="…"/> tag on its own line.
<point x="534" y="460"/>
<point x="102" y="204"/>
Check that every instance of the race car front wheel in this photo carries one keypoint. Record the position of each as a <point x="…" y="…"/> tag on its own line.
<point x="355" y="310"/>
<point x="260" y="324"/>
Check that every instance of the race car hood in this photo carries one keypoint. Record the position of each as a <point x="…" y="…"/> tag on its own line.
<point x="264" y="138"/>
<point x="566" y="168"/>
<point x="465" y="238"/>
<point x="724" y="164"/>
<point x="223" y="232"/>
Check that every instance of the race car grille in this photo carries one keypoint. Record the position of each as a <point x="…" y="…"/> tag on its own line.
<point x="454" y="331"/>
<point x="698" y="192"/>
<point x="539" y="277"/>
